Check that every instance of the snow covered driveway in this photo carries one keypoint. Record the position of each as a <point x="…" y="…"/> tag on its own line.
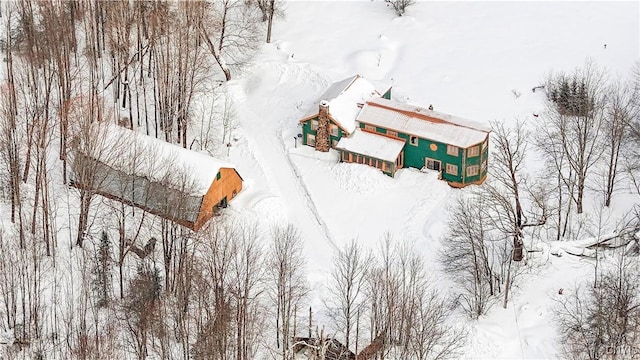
<point x="277" y="94"/>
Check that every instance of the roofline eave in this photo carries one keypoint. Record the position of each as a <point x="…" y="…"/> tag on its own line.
<point x="421" y="137"/>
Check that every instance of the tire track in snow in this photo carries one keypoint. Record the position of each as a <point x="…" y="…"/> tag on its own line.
<point x="310" y="203"/>
<point x="285" y="180"/>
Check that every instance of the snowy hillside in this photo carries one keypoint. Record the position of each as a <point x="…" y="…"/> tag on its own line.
<point x="465" y="58"/>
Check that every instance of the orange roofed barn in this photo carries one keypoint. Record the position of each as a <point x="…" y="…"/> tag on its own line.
<point x="164" y="179"/>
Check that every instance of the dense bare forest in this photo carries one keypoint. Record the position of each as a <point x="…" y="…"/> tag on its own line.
<point x="86" y="277"/>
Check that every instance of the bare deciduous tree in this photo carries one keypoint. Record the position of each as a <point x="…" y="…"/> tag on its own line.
<point x="408" y="319"/>
<point x="229" y="291"/>
<point x="572" y="126"/>
<point x="431" y="334"/>
<point x="10" y="130"/>
<point x="620" y="112"/>
<point x="508" y="187"/>
<point x="233" y="35"/>
<point x="9" y="281"/>
<point x="141" y="308"/>
<point x="88" y="175"/>
<point x="246" y="288"/>
<point x="287" y="283"/>
<point x="214" y="331"/>
<point x="602" y="322"/>
<point x="466" y="256"/>
<point x="350" y="269"/>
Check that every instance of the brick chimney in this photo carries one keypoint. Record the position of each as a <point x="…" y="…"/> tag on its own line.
<point x="323" y="141"/>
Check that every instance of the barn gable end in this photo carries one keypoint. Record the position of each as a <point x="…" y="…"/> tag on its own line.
<point x="161" y="178"/>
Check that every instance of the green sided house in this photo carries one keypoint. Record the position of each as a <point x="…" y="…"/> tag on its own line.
<point x="393" y="135"/>
<point x="334" y="116"/>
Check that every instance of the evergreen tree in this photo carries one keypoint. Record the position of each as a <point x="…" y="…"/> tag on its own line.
<point x="102" y="271"/>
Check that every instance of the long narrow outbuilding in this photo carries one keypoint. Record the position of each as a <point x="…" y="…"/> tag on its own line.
<point x="164" y="179"/>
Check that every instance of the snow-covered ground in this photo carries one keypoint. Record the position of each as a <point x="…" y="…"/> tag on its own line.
<point x="465" y="58"/>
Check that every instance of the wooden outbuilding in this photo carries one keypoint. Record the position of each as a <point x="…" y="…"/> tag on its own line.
<point x="164" y="179"/>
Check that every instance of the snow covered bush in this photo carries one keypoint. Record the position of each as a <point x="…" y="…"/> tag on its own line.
<point x="399" y="6"/>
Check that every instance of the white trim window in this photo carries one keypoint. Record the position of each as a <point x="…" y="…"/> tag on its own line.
<point x="473" y="151"/>
<point x="413" y="140"/>
<point x="392" y="133"/>
<point x="452" y="150"/>
<point x="314" y="125"/>
<point x="311" y="140"/>
<point x="334" y="131"/>
<point x="369" y="127"/>
<point x="452" y="169"/>
<point x="473" y="170"/>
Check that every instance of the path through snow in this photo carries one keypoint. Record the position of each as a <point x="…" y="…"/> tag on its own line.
<point x="262" y="117"/>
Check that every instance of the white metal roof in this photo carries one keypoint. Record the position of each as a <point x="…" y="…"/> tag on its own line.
<point x="343" y="98"/>
<point x="424" y="123"/>
<point x="138" y="154"/>
<point x="368" y="144"/>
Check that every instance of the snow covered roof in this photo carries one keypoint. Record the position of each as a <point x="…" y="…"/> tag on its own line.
<point x="343" y="98"/>
<point x="141" y="155"/>
<point x="424" y="123"/>
<point x="368" y="144"/>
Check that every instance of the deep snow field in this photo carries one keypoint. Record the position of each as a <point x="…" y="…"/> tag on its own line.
<point x="465" y="58"/>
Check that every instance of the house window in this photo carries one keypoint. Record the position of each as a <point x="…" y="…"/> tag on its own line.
<point x="370" y="127"/>
<point x="473" y="151"/>
<point x="472" y="170"/>
<point x="334" y="131"/>
<point x="218" y="176"/>
<point x="452" y="150"/>
<point x="452" y="169"/>
<point x="413" y="140"/>
<point x="432" y="164"/>
<point x="314" y="125"/>
<point x="311" y="140"/>
<point x="484" y="164"/>
<point x="392" y="133"/>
